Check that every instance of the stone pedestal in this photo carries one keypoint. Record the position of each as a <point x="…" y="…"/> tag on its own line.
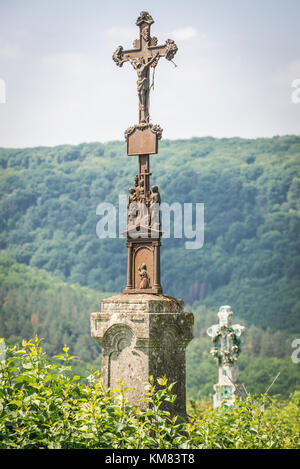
<point x="228" y="387"/>
<point x="143" y="335"/>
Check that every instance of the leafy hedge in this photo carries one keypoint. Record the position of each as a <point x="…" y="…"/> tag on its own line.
<point x="42" y="405"/>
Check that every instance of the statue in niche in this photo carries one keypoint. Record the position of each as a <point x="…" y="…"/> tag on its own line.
<point x="155" y="196"/>
<point x="137" y="204"/>
<point x="140" y="191"/>
<point x="145" y="280"/>
<point x="154" y="209"/>
<point x="132" y="205"/>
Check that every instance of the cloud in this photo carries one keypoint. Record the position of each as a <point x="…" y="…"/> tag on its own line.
<point x="2" y="91"/>
<point x="9" y="51"/>
<point x="71" y="60"/>
<point x="122" y="34"/>
<point x="77" y="65"/>
<point x="192" y="36"/>
<point x="184" y="34"/>
<point x="288" y="73"/>
<point x="71" y="79"/>
<point x="180" y="34"/>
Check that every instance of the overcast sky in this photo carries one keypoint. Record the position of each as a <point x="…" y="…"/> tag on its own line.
<point x="236" y="62"/>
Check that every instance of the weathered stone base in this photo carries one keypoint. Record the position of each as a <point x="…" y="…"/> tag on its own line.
<point x="143" y="335"/>
<point x="228" y="388"/>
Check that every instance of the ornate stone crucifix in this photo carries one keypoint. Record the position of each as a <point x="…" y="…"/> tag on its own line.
<point x="143" y="272"/>
<point x="145" y="54"/>
<point x="145" y="333"/>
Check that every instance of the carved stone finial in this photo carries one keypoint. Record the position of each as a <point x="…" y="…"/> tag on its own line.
<point x="144" y="17"/>
<point x="225" y="315"/>
<point x="118" y="56"/>
<point x="171" y="49"/>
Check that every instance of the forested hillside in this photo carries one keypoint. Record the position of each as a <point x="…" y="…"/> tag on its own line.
<point x="250" y="258"/>
<point x="32" y="302"/>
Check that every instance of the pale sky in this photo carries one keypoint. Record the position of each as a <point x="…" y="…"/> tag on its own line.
<point x="236" y="62"/>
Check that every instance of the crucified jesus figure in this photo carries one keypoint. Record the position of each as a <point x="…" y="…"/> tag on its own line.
<point x="142" y="69"/>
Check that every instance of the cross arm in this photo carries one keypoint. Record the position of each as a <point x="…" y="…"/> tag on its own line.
<point x="167" y="50"/>
<point x="238" y="329"/>
<point x="212" y="331"/>
<point x="120" y="55"/>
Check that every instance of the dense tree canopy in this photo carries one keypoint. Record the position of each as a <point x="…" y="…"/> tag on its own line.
<point x="250" y="189"/>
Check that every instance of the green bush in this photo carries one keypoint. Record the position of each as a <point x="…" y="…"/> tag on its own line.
<point x="42" y="405"/>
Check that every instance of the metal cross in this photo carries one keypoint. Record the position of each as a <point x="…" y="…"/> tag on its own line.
<point x="145" y="54"/>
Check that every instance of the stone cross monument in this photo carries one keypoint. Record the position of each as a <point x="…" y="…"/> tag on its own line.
<point x="143" y="230"/>
<point x="226" y="348"/>
<point x="142" y="332"/>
